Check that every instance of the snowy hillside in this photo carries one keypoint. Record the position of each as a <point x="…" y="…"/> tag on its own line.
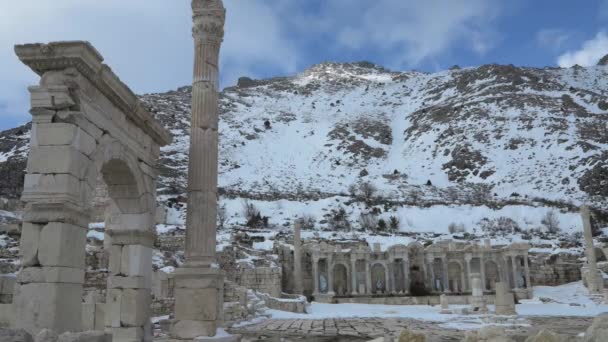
<point x="464" y="139"/>
<point x="532" y="132"/>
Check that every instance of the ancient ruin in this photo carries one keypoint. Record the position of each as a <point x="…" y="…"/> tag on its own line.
<point x="199" y="284"/>
<point x="356" y="271"/>
<point x="86" y="124"/>
<point x="131" y="278"/>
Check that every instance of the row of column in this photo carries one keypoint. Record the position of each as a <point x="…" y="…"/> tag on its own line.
<point x="437" y="285"/>
<point x="389" y="281"/>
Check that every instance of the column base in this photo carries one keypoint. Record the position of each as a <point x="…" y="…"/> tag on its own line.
<point x="199" y="302"/>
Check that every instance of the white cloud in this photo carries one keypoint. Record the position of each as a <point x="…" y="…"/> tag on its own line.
<point x="589" y="54"/>
<point x="148" y="43"/>
<point x="407" y="31"/>
<point x="553" y="39"/>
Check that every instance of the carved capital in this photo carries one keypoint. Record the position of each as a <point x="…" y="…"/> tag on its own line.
<point x="208" y="18"/>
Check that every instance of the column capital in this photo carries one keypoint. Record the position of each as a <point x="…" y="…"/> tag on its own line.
<point x="208" y="17"/>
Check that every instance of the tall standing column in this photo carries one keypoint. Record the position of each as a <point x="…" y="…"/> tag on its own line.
<point x="446" y="281"/>
<point x="468" y="286"/>
<point x="199" y="284"/>
<point x="297" y="259"/>
<point x="368" y="278"/>
<point x="406" y="275"/>
<point x="514" y="264"/>
<point x="315" y="275"/>
<point x="353" y="275"/>
<point x="527" y="272"/>
<point x="592" y="278"/>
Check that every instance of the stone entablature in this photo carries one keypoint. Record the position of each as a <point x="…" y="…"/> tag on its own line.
<point x="444" y="267"/>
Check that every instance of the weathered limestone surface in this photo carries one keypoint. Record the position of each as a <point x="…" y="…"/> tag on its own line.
<point x="505" y="301"/>
<point x="598" y="331"/>
<point x="86" y="125"/>
<point x="199" y="285"/>
<point x="594" y="281"/>
<point x="297" y="259"/>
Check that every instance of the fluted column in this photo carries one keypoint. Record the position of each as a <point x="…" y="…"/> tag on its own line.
<point x="527" y="272"/>
<point x="297" y="259"/>
<point x="446" y="282"/>
<point x="468" y="286"/>
<point x="406" y="275"/>
<point x="368" y="278"/>
<point x="208" y="32"/>
<point x="482" y="268"/>
<point x="330" y="276"/>
<point x="432" y="274"/>
<point x="513" y="260"/>
<point x="353" y="275"/>
<point x="315" y="275"/>
<point x="199" y="283"/>
<point x="592" y="272"/>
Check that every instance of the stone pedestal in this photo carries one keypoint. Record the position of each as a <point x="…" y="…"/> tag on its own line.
<point x="478" y="302"/>
<point x="445" y="305"/>
<point x="199" y="296"/>
<point x="505" y="302"/>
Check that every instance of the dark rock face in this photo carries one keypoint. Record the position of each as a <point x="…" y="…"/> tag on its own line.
<point x="603" y="60"/>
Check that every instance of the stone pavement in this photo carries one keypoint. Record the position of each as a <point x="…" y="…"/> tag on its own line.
<point x="364" y="329"/>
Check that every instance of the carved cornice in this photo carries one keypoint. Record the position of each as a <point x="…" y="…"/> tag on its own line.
<point x="208" y="19"/>
<point x="82" y="56"/>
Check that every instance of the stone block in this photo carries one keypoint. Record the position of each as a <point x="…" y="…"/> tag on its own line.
<point x="100" y="315"/>
<point x="57" y="306"/>
<point x="87" y="336"/>
<point x="64" y="245"/>
<point x="410" y="336"/>
<point x="7" y="284"/>
<point x="54" y="185"/>
<point x="51" y="275"/>
<point x="118" y="282"/>
<point x="58" y="159"/>
<point x="57" y="134"/>
<point x="185" y="329"/>
<point x="46" y="335"/>
<point x="88" y="316"/>
<point x="15" y="335"/>
<point x="127" y="334"/>
<point x="115" y="259"/>
<point x="196" y="304"/>
<point x="140" y="222"/>
<point x="113" y="307"/>
<point x="30" y="242"/>
<point x="598" y="331"/>
<point x="51" y="97"/>
<point x="135" y="307"/>
<point x="7" y="315"/>
<point x="136" y="261"/>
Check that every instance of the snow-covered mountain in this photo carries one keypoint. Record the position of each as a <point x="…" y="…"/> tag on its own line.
<point x="494" y="133"/>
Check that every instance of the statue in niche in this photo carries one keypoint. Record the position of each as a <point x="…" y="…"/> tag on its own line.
<point x="323" y="283"/>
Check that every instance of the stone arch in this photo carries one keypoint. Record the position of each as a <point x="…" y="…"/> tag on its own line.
<point x="399" y="276"/>
<point x="86" y="123"/>
<point x="492" y="275"/>
<point x="379" y="283"/>
<point x="455" y="277"/>
<point x="341" y="285"/>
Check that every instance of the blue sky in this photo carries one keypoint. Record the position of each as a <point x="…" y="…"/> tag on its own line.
<point x="148" y="42"/>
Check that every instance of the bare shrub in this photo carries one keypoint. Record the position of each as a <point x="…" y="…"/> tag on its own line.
<point x="222" y="216"/>
<point x="500" y="226"/>
<point x="394" y="224"/>
<point x="249" y="210"/>
<point x="308" y="222"/>
<point x="454" y="228"/>
<point x="367" y="190"/>
<point x="551" y="222"/>
<point x="338" y="220"/>
<point x="368" y="221"/>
